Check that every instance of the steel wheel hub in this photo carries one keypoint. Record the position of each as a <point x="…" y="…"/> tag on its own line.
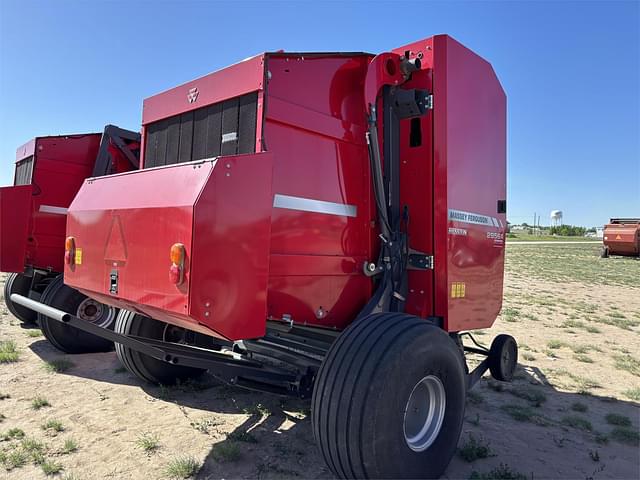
<point x="424" y="413"/>
<point x="96" y="312"/>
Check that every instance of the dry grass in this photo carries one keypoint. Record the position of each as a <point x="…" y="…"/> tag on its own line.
<point x="627" y="363"/>
<point x="148" y="442"/>
<point x="227" y="451"/>
<point x="182" y="467"/>
<point x="626" y="435"/>
<point x="576" y="421"/>
<point x="618" y="420"/>
<point x="58" y="365"/>
<point x="53" y="426"/>
<point x="70" y="446"/>
<point x="9" y="352"/>
<point x="39" y="402"/>
<point x="571" y="263"/>
<point x="474" y="448"/>
<point x="502" y="472"/>
<point x="633" y="394"/>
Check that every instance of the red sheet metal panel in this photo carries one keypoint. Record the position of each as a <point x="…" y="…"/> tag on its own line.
<point x="233" y="81"/>
<point x="231" y="240"/>
<point x="125" y="225"/>
<point x="59" y="165"/>
<point x="15" y="206"/>
<point x="469" y="180"/>
<point x="315" y="123"/>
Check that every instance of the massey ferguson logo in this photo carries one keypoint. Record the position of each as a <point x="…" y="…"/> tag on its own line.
<point x="192" y="96"/>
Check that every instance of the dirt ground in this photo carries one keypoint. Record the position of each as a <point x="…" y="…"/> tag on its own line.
<point x="573" y="410"/>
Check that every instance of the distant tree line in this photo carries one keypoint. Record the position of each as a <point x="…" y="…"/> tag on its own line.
<point x="568" y="231"/>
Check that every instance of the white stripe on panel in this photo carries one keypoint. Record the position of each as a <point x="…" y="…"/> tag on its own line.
<point x="52" y="209"/>
<point x="316" y="206"/>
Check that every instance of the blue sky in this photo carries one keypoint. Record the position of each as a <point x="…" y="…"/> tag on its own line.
<point x="571" y="71"/>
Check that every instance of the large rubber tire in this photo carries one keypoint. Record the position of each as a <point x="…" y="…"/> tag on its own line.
<point x="20" y="284"/>
<point x="604" y="252"/>
<point x="360" y="400"/>
<point x="65" y="337"/>
<point x="143" y="366"/>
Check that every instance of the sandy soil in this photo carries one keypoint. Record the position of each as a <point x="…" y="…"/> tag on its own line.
<point x="106" y="410"/>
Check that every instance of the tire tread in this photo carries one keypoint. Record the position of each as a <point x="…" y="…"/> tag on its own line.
<point x="342" y="386"/>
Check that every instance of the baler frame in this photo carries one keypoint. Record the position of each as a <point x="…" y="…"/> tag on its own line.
<point x="119" y="137"/>
<point x="396" y="255"/>
<point x="303" y="348"/>
<point x="228" y="367"/>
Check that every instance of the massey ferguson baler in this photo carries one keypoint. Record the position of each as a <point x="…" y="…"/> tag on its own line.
<point x="49" y="172"/>
<point x="324" y="225"/>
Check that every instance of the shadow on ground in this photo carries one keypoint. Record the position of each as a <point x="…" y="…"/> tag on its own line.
<point x="274" y="441"/>
<point x="533" y="426"/>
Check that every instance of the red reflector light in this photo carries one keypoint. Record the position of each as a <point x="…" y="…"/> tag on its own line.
<point x="176" y="270"/>
<point x="175" y="274"/>
<point x="69" y="250"/>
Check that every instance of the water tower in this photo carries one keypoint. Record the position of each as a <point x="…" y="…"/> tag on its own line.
<point x="556" y="218"/>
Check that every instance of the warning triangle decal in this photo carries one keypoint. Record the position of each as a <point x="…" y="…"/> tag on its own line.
<point x="115" y="249"/>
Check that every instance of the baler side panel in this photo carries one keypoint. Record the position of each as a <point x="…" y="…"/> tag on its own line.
<point x="126" y="224"/>
<point x="15" y="207"/>
<point x="61" y="166"/>
<point x="230" y="254"/>
<point x="320" y="154"/>
<point x="470" y="179"/>
<point x="219" y="210"/>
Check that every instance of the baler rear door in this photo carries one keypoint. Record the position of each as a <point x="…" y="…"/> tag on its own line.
<point x="125" y="225"/>
<point x="15" y="214"/>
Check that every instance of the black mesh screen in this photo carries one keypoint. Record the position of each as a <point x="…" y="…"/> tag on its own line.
<point x="24" y="171"/>
<point x="225" y="128"/>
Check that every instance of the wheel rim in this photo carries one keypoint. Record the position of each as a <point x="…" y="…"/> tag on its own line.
<point x="95" y="312"/>
<point x="424" y="413"/>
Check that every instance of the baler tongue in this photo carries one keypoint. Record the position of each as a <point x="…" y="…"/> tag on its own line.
<point x="181" y="243"/>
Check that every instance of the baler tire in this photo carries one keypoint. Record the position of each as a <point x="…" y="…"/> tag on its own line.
<point x="503" y="357"/>
<point x="143" y="366"/>
<point x="364" y="389"/>
<point x="20" y="284"/>
<point x="65" y="337"/>
<point x="604" y="252"/>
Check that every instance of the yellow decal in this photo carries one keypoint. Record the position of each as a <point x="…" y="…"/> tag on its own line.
<point x="458" y="290"/>
<point x="78" y="259"/>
